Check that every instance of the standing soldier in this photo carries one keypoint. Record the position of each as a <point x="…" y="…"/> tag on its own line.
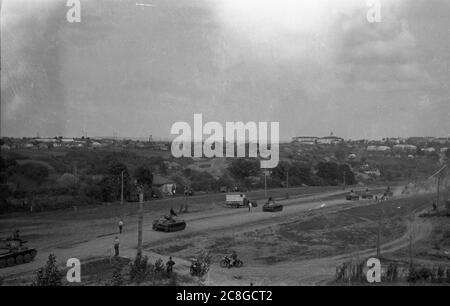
<point x="120" y="226"/>
<point x="116" y="246"/>
<point x="169" y="265"/>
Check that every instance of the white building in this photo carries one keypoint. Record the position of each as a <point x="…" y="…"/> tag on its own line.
<point x="378" y="149"/>
<point x="405" y="148"/>
<point x="305" y="139"/>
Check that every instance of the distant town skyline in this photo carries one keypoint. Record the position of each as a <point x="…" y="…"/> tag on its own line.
<point x="314" y="66"/>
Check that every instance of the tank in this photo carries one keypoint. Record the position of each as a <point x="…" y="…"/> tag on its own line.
<point x="367" y="195"/>
<point x="352" y="196"/>
<point x="272" y="207"/>
<point x="13" y="252"/>
<point x="168" y="224"/>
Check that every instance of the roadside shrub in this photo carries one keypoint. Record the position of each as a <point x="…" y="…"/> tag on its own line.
<point x="159" y="266"/>
<point x="42" y="202"/>
<point x="426" y="274"/>
<point x="392" y="272"/>
<point x="139" y="269"/>
<point x="351" y="271"/>
<point x="49" y="275"/>
<point x="438" y="274"/>
<point x="117" y="279"/>
<point x="413" y="275"/>
<point x="67" y="180"/>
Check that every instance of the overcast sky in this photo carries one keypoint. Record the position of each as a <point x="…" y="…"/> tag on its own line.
<point x="315" y="66"/>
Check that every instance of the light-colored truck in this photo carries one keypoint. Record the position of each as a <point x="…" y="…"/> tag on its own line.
<point x="235" y="200"/>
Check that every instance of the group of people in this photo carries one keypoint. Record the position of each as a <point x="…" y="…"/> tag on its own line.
<point x="169" y="264"/>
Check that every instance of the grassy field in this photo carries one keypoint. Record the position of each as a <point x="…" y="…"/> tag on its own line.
<point x="316" y="234"/>
<point x="65" y="227"/>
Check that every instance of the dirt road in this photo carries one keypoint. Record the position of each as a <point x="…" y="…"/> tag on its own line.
<point x="311" y="271"/>
<point x="196" y="222"/>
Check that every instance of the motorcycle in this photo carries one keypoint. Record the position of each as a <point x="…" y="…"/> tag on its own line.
<point x="228" y="262"/>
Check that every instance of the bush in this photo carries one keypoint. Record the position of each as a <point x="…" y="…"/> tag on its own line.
<point x="139" y="269"/>
<point x="419" y="274"/>
<point x="392" y="272"/>
<point x="159" y="266"/>
<point x="33" y="171"/>
<point x="67" y="180"/>
<point x="49" y="275"/>
<point x="117" y="279"/>
<point x="242" y="168"/>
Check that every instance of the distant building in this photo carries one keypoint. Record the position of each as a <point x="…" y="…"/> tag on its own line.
<point x="166" y="186"/>
<point x="162" y="147"/>
<point x="375" y="172"/>
<point x="394" y="140"/>
<point x="405" y="148"/>
<point x="46" y="140"/>
<point x="442" y="140"/>
<point x="330" y="140"/>
<point x="352" y="156"/>
<point x="42" y="146"/>
<point x="96" y="144"/>
<point x="378" y="149"/>
<point x="428" y="150"/>
<point x="305" y="139"/>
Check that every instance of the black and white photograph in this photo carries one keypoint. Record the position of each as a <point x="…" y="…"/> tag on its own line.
<point x="245" y="144"/>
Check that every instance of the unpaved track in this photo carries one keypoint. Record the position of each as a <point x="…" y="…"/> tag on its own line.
<point x="196" y="222"/>
<point x="314" y="271"/>
<point x="202" y="222"/>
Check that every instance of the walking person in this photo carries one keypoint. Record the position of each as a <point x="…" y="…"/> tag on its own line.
<point x="120" y="226"/>
<point x="116" y="246"/>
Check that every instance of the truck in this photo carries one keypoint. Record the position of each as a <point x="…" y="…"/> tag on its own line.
<point x="352" y="196"/>
<point x="235" y="200"/>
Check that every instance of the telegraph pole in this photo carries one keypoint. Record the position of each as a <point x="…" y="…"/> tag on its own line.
<point x="437" y="195"/>
<point x="121" y="189"/>
<point x="343" y="178"/>
<point x="438" y="176"/>
<point x="411" y="240"/>
<point x="265" y="184"/>
<point x="287" y="178"/>
<point x="380" y="222"/>
<point x="140" y="220"/>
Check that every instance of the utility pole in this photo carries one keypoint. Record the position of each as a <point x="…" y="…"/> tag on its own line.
<point x="380" y="223"/>
<point x="411" y="240"/>
<point x="140" y="219"/>
<point x="438" y="176"/>
<point x="437" y="195"/>
<point x="265" y="183"/>
<point x="121" y="189"/>
<point x="343" y="178"/>
<point x="287" y="178"/>
<point x="186" y="191"/>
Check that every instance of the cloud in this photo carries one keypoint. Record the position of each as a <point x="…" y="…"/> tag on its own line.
<point x="378" y="56"/>
<point x="308" y="64"/>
